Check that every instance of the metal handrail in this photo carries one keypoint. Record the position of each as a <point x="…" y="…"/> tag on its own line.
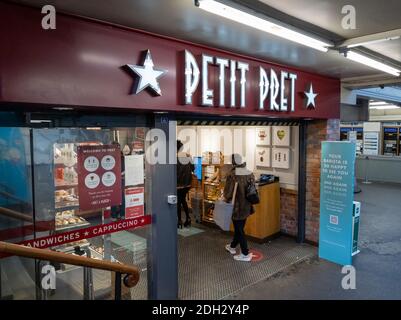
<point x="131" y="272"/>
<point x="15" y="214"/>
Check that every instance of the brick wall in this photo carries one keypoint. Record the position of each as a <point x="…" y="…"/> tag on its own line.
<point x="289" y="212"/>
<point x="317" y="132"/>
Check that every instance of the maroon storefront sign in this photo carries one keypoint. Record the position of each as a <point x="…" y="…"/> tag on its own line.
<point x="86" y="233"/>
<point x="99" y="176"/>
<point x="123" y="68"/>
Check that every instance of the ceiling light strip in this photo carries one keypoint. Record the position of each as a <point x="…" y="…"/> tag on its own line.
<point x="262" y="24"/>
<point x="357" y="57"/>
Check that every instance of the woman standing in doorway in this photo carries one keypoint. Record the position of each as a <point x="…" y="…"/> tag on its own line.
<point x="242" y="207"/>
<point x="185" y="168"/>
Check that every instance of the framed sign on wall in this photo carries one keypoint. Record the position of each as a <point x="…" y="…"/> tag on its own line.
<point x="263" y="136"/>
<point x="281" y="158"/>
<point x="281" y="136"/>
<point x="263" y="158"/>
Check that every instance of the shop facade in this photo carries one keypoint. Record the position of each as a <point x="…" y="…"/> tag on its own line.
<point x="91" y="83"/>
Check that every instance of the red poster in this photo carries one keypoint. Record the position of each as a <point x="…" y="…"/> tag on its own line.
<point x="134" y="202"/>
<point x="99" y="176"/>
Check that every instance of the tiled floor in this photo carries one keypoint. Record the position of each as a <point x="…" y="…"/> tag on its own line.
<point x="207" y="271"/>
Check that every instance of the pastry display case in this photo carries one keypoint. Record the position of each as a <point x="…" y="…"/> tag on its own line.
<point x="66" y="188"/>
<point x="214" y="172"/>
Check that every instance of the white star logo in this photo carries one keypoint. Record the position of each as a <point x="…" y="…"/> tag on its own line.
<point x="311" y="97"/>
<point x="148" y="76"/>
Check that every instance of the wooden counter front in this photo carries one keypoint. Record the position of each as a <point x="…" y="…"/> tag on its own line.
<point x="265" y="222"/>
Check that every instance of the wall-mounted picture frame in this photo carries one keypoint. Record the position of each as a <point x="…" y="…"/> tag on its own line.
<point x="281" y="136"/>
<point x="263" y="157"/>
<point x="281" y="158"/>
<point x="263" y="136"/>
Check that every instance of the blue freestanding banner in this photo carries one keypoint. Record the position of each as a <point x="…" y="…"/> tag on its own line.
<point x="336" y="201"/>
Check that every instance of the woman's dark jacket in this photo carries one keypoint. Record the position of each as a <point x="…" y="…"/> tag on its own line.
<point x="185" y="168"/>
<point x="242" y="207"/>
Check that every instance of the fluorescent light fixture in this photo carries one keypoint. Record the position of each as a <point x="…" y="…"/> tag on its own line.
<point x="372" y="42"/>
<point x="357" y="57"/>
<point x="40" y="121"/>
<point x="385" y="107"/>
<point x="262" y="24"/>
<point x="377" y="103"/>
<point x="63" y="108"/>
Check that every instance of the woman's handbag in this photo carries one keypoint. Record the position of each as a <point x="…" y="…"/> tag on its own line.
<point x="223" y="211"/>
<point x="252" y="194"/>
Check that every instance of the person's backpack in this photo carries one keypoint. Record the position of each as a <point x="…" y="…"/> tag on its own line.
<point x="252" y="194"/>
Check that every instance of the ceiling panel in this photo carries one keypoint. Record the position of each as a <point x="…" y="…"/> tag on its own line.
<point x="181" y="19"/>
<point x="391" y="49"/>
<point x="372" y="16"/>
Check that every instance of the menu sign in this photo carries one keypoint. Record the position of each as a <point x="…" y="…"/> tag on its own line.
<point x="99" y="176"/>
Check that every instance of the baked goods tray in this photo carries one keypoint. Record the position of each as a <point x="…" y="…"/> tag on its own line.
<point x="74" y="225"/>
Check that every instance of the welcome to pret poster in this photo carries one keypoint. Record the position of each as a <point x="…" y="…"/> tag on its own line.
<point x="99" y="176"/>
<point x="336" y="201"/>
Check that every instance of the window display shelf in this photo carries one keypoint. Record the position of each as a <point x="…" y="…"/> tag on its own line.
<point x="212" y="183"/>
<point x="212" y="186"/>
<point x="62" y="164"/>
<point x="70" y="206"/>
<point x="210" y="200"/>
<point x="72" y="226"/>
<point x="65" y="186"/>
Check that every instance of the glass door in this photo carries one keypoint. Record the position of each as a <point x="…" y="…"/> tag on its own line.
<point x="90" y="187"/>
<point x="17" y="275"/>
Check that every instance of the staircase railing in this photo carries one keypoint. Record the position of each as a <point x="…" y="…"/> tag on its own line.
<point x="131" y="273"/>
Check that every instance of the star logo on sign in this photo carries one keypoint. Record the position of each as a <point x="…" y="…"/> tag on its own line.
<point x="143" y="220"/>
<point x="86" y="233"/>
<point x="148" y="75"/>
<point x="311" y="97"/>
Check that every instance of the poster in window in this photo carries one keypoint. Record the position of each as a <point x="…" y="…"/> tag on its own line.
<point x="134" y="202"/>
<point x="281" y="158"/>
<point x="281" y="136"/>
<point x="99" y="176"/>
<point x="263" y="136"/>
<point x="262" y="157"/>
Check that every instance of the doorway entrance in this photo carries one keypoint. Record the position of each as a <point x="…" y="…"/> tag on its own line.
<point x="271" y="151"/>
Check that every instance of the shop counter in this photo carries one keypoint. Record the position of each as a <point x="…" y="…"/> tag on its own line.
<point x="265" y="222"/>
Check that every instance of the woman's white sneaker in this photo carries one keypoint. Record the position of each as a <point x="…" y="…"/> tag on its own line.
<point x="242" y="257"/>
<point x="231" y="250"/>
